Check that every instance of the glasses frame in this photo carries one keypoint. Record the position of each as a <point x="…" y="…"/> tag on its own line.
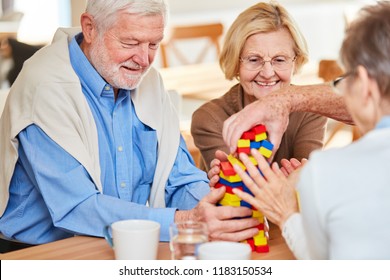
<point x="243" y="60"/>
<point x="337" y="81"/>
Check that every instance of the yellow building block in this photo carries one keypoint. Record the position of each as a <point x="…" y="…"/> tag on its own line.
<point x="258" y="215"/>
<point x="259" y="240"/>
<point x="244" y="143"/>
<point x="230" y="200"/>
<point x="231" y="178"/>
<point x="234" y="161"/>
<point x="260" y="137"/>
<point x="265" y="152"/>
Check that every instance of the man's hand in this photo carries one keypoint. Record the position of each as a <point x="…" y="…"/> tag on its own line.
<point x="222" y="222"/>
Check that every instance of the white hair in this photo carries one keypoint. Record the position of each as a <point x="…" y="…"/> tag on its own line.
<point x="105" y="11"/>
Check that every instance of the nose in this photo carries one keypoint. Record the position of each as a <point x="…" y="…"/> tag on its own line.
<point x="142" y="55"/>
<point x="267" y="70"/>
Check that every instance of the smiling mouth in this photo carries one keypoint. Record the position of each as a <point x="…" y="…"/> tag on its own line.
<point x="133" y="68"/>
<point x="266" y="84"/>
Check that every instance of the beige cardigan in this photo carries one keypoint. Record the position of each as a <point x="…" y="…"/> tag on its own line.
<point x="48" y="93"/>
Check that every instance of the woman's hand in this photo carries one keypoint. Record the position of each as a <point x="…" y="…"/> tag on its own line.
<point x="273" y="194"/>
<point x="215" y="167"/>
<point x="289" y="166"/>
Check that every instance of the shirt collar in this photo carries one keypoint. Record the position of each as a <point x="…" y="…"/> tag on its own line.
<point x="383" y="123"/>
<point x="84" y="69"/>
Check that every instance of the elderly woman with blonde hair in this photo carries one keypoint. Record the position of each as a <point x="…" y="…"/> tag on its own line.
<point x="263" y="49"/>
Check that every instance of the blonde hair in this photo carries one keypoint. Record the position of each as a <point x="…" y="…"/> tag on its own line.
<point x="261" y="17"/>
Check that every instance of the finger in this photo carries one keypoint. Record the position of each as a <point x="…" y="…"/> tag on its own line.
<point x="247" y="197"/>
<point x="284" y="171"/>
<point x="215" y="195"/>
<point x="287" y="165"/>
<point x="214" y="168"/>
<point x="246" y="179"/>
<point x="221" y="156"/>
<point x="230" y="212"/>
<point x="213" y="181"/>
<point x="237" y="236"/>
<point x="295" y="163"/>
<point x="252" y="170"/>
<point x="278" y="171"/>
<point x="263" y="165"/>
<point x="275" y="139"/>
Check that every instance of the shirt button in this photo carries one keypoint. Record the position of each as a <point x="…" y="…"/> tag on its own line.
<point x="123" y="184"/>
<point x="107" y="88"/>
<point x="120" y="148"/>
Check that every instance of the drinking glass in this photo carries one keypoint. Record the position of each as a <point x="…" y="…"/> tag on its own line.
<point x="185" y="238"/>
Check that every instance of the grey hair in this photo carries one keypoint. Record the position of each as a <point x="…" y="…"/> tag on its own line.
<point x="105" y="11"/>
<point x="367" y="43"/>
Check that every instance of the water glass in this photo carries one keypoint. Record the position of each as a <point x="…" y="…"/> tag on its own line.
<point x="185" y="238"/>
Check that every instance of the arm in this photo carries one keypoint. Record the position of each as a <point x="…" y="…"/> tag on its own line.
<point x="65" y="189"/>
<point x="273" y="111"/>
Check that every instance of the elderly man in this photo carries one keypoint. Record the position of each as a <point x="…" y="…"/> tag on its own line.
<point x="89" y="136"/>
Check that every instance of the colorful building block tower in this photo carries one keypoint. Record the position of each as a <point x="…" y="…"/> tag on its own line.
<point x="256" y="138"/>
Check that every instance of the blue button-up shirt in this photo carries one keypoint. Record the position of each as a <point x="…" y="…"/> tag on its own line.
<point x="51" y="195"/>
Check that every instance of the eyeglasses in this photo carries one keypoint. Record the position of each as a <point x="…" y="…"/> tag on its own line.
<point x="336" y="82"/>
<point x="278" y="63"/>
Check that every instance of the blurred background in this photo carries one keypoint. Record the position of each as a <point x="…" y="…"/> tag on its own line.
<point x="26" y="26"/>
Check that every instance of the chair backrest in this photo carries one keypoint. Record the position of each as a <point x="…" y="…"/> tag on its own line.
<point x="211" y="32"/>
<point x="329" y="70"/>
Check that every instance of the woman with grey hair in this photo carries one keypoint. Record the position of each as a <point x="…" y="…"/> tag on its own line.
<point x="344" y="193"/>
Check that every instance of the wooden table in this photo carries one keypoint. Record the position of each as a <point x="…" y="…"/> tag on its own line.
<point x="93" y="248"/>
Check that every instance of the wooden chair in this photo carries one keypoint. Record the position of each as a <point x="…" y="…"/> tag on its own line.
<point x="211" y="32"/>
<point x="329" y="70"/>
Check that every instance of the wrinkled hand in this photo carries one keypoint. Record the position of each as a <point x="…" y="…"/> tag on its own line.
<point x="221" y="220"/>
<point x="215" y="167"/>
<point x="273" y="195"/>
<point x="272" y="110"/>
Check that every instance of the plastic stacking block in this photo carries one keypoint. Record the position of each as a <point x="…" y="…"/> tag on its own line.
<point x="265" y="152"/>
<point x="255" y="145"/>
<point x="262" y="249"/>
<point x="243" y="143"/>
<point x="231" y="178"/>
<point x="258" y="129"/>
<point x="246" y="150"/>
<point x="267" y="144"/>
<point x="250" y="135"/>
<point x="234" y="161"/>
<point x="227" y="168"/>
<point x="260" y="137"/>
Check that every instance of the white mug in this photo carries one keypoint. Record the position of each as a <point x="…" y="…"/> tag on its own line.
<point x="134" y="239"/>
<point x="224" y="250"/>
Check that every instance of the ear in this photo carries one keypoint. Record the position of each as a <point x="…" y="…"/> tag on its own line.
<point x="369" y="88"/>
<point x="88" y="27"/>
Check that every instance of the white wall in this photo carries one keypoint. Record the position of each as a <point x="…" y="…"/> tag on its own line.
<point x="321" y="21"/>
<point x="41" y="19"/>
